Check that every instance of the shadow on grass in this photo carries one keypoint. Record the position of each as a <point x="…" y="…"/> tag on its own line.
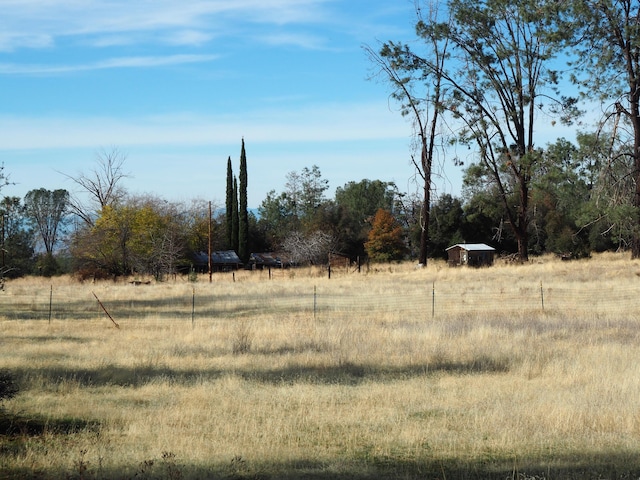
<point x="344" y="374"/>
<point x="353" y="374"/>
<point x="170" y="308"/>
<point x="592" y="466"/>
<point x="17" y="432"/>
<point x="46" y="339"/>
<point x="33" y="425"/>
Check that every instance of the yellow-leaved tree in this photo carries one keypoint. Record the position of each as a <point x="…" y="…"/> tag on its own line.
<point x="140" y="235"/>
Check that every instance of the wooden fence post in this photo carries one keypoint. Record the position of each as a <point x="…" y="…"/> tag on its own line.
<point x="105" y="311"/>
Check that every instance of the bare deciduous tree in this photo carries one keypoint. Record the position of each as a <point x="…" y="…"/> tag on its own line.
<point x="4" y="180"/>
<point x="102" y="185"/>
<point x="313" y="248"/>
<point x="46" y="209"/>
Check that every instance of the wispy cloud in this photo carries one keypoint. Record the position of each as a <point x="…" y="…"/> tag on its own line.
<point x="121" y="62"/>
<point x="305" y="41"/>
<point x="38" y="23"/>
<point x="189" y="37"/>
<point x="9" y="40"/>
<point x="326" y="123"/>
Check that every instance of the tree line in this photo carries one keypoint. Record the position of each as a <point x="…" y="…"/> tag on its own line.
<point x="108" y="232"/>
<point x="481" y="77"/>
<point x="487" y="75"/>
<point x="104" y="231"/>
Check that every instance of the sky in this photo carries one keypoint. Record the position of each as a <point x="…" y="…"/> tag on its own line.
<point x="176" y="86"/>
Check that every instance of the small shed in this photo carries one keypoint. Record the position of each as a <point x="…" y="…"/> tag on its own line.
<point x="221" y="261"/>
<point x="337" y="260"/>
<point x="472" y="254"/>
<point x="260" y="261"/>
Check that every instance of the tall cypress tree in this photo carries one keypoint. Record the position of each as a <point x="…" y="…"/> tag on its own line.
<point x="243" y="214"/>
<point x="234" y="216"/>
<point x="229" y="206"/>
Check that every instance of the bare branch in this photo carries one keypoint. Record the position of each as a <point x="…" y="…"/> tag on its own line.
<point x="102" y="185"/>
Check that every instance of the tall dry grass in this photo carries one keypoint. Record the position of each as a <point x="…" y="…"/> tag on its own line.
<point x="493" y="391"/>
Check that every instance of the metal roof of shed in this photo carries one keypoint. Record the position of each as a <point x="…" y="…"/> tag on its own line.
<point x="473" y="247"/>
<point x="224" y="257"/>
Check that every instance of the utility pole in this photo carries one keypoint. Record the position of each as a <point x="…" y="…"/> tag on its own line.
<point x="4" y="215"/>
<point x="209" y="255"/>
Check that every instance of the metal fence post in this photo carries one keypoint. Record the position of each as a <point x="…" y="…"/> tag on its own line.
<point x="433" y="300"/>
<point x="193" y="308"/>
<point x="50" y="303"/>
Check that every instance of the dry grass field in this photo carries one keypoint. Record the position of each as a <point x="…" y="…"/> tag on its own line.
<point x="471" y="383"/>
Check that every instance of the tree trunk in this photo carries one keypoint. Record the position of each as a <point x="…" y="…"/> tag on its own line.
<point x="523" y="222"/>
<point x="427" y="155"/>
<point x="635" y="235"/>
<point x="424" y="226"/>
<point x="635" y="121"/>
<point x="523" y="246"/>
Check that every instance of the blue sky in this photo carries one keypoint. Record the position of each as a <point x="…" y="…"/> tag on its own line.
<point x="177" y="85"/>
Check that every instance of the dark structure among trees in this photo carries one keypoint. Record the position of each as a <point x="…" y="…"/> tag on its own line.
<point x="221" y="261"/>
<point x="260" y="261"/>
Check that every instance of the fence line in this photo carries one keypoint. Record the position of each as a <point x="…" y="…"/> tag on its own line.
<point x="436" y="300"/>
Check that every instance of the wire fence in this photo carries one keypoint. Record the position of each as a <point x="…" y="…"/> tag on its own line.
<point x="436" y="300"/>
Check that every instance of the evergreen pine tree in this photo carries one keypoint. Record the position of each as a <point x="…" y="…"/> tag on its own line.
<point x="243" y="214"/>
<point x="229" y="206"/>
